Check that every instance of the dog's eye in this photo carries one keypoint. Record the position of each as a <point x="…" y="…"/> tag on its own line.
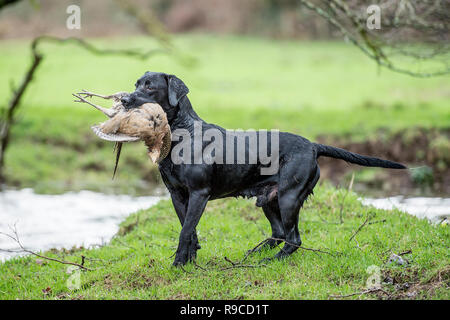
<point x="148" y="86"/>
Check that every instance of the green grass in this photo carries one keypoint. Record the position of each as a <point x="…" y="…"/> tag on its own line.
<point x="136" y="264"/>
<point x="309" y="88"/>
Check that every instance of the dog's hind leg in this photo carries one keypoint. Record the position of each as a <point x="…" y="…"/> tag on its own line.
<point x="290" y="199"/>
<point x="272" y="213"/>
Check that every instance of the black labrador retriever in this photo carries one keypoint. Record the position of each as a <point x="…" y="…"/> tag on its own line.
<point x="193" y="183"/>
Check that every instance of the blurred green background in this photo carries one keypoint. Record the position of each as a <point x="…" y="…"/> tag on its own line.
<point x="309" y="83"/>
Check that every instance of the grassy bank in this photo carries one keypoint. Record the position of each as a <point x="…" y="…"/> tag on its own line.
<point x="136" y="264"/>
<point x="309" y="88"/>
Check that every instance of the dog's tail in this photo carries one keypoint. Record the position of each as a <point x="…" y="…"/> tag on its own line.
<point x="333" y="152"/>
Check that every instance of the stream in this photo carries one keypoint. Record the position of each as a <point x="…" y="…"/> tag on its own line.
<point x="62" y="221"/>
<point x="89" y="218"/>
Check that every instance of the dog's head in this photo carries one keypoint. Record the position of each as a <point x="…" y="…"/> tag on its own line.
<point x="156" y="87"/>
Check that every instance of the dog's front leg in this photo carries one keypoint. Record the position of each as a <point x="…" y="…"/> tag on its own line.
<point x="196" y="205"/>
<point x="180" y="203"/>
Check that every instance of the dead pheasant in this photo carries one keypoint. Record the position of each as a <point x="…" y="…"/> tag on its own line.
<point x="147" y="123"/>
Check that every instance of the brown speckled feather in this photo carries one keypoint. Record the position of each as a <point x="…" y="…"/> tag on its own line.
<point x="147" y="123"/>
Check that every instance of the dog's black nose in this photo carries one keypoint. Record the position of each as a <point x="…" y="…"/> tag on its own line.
<point x="125" y="100"/>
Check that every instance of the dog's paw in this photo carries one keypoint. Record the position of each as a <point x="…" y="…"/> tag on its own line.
<point x="179" y="261"/>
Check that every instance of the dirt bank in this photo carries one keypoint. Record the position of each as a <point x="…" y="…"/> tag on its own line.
<point x="86" y="165"/>
<point x="426" y="151"/>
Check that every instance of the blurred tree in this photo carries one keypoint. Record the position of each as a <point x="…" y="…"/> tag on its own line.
<point x="410" y="31"/>
<point x="4" y="3"/>
<point x="147" y="21"/>
<point x="405" y="36"/>
<point x="8" y="112"/>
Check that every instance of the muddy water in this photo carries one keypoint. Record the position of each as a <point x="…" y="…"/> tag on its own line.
<point x="89" y="218"/>
<point x="434" y="209"/>
<point x="63" y="221"/>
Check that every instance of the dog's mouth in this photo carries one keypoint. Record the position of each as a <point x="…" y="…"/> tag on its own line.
<point x="147" y="123"/>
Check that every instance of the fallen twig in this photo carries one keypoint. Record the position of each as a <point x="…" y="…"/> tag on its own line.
<point x="405" y="252"/>
<point x="249" y="252"/>
<point x="372" y="290"/>
<point x="359" y="229"/>
<point x="378" y="221"/>
<point x="243" y="266"/>
<point x="16" y="239"/>
<point x="287" y="242"/>
<point x="182" y="268"/>
<point x="228" y="260"/>
<point x="303" y="248"/>
<point x="199" y="267"/>
<point x="240" y="265"/>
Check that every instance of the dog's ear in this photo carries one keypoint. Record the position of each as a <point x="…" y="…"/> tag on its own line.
<point x="176" y="90"/>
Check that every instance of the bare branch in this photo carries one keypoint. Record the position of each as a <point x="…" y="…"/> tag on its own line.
<point x="7" y="115"/>
<point x="235" y="265"/>
<point x="4" y="3"/>
<point x="15" y="237"/>
<point x="372" y="290"/>
<point x="359" y="228"/>
<point x="134" y="53"/>
<point x="148" y="22"/>
<point x="7" y="119"/>
<point x="249" y="252"/>
<point x="405" y="22"/>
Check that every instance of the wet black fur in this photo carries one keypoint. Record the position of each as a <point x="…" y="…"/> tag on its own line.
<point x="191" y="186"/>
